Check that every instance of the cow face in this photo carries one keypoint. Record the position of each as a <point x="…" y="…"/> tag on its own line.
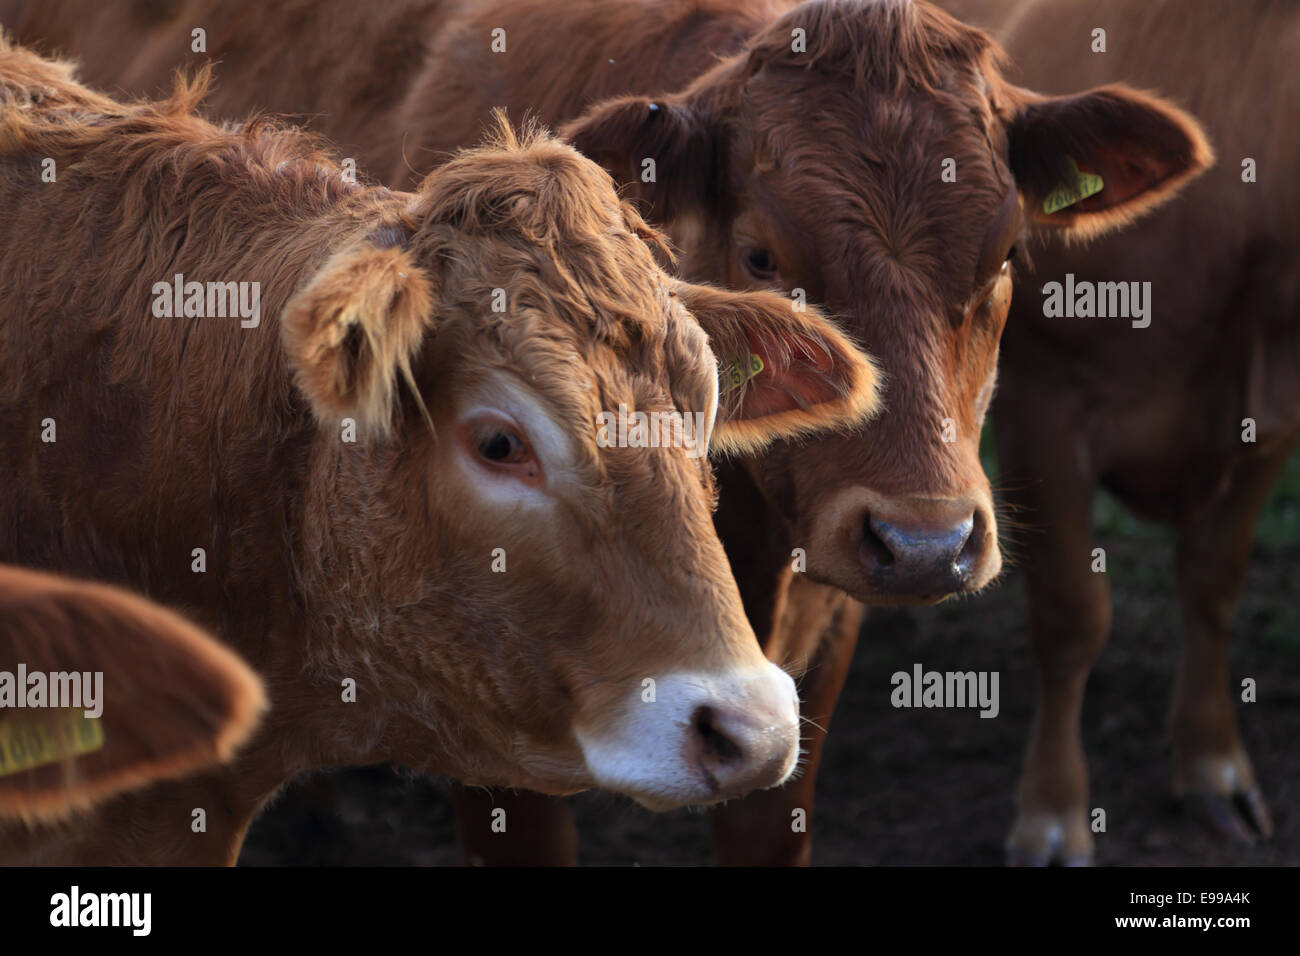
<point x="534" y="583"/>
<point x="870" y="157"/>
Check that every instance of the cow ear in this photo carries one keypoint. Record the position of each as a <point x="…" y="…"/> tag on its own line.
<point x="662" y="151"/>
<point x="170" y="700"/>
<point x="1095" y="161"/>
<point x="783" y="372"/>
<point x="351" y="333"/>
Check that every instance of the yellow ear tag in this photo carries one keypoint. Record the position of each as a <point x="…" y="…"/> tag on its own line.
<point x="51" y="736"/>
<point x="737" y="373"/>
<point x="1078" y="187"/>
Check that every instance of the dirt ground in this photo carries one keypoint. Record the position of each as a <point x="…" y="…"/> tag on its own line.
<point x="921" y="787"/>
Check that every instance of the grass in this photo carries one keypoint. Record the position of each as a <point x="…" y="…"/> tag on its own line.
<point x="1279" y="525"/>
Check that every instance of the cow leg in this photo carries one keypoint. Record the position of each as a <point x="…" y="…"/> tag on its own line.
<point x="764" y="828"/>
<point x="1212" y="774"/>
<point x="539" y="830"/>
<point x="1069" y="622"/>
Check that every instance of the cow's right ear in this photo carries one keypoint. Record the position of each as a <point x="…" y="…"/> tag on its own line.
<point x="663" y="151"/>
<point x="783" y="372"/>
<point x="165" y="699"/>
<point x="351" y="333"/>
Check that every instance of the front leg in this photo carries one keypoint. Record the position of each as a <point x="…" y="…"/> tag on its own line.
<point x="1045" y="459"/>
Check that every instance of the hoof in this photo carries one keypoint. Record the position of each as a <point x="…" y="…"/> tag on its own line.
<point x="1220" y="793"/>
<point x="1240" y="817"/>
<point x="1046" y="838"/>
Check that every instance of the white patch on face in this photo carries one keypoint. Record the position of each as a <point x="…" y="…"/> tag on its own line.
<point x="656" y="753"/>
<point x="503" y="395"/>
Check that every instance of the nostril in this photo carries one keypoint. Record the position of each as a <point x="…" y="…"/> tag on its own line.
<point x="875" y="545"/>
<point x="972" y="548"/>
<point x="716" y="747"/>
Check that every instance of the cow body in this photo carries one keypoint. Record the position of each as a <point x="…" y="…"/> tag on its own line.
<point x="797" y="148"/>
<point x="376" y="486"/>
<point x="1186" y="420"/>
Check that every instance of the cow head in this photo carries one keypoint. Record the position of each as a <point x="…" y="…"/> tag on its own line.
<point x="538" y="598"/>
<point x="871" y="157"/>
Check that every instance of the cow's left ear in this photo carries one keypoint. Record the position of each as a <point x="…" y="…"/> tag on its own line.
<point x="1095" y="161"/>
<point x="661" y="150"/>
<point x="351" y="333"/>
<point x="782" y="372"/>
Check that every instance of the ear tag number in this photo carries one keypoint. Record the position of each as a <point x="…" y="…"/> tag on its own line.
<point x="53" y="736"/>
<point x="738" y="372"/>
<point x="1077" y="188"/>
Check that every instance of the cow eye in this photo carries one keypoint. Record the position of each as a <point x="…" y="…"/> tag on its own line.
<point x="502" y="447"/>
<point x="1011" y="254"/>
<point x="760" y="263"/>
<point x="496" y="443"/>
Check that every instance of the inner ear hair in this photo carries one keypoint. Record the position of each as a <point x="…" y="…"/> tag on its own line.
<point x="353" y="330"/>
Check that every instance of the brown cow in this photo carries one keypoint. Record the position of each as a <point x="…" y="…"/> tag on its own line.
<point x="1157" y="413"/>
<point x="168" y="700"/>
<point x="333" y="478"/>
<point x="867" y="155"/>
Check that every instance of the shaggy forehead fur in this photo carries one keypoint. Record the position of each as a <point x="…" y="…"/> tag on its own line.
<point x="889" y="46"/>
<point x="920" y="86"/>
<point x="591" y="320"/>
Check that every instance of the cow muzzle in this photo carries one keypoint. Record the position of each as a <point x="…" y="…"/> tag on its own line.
<point x="906" y="550"/>
<point x="699" y="738"/>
